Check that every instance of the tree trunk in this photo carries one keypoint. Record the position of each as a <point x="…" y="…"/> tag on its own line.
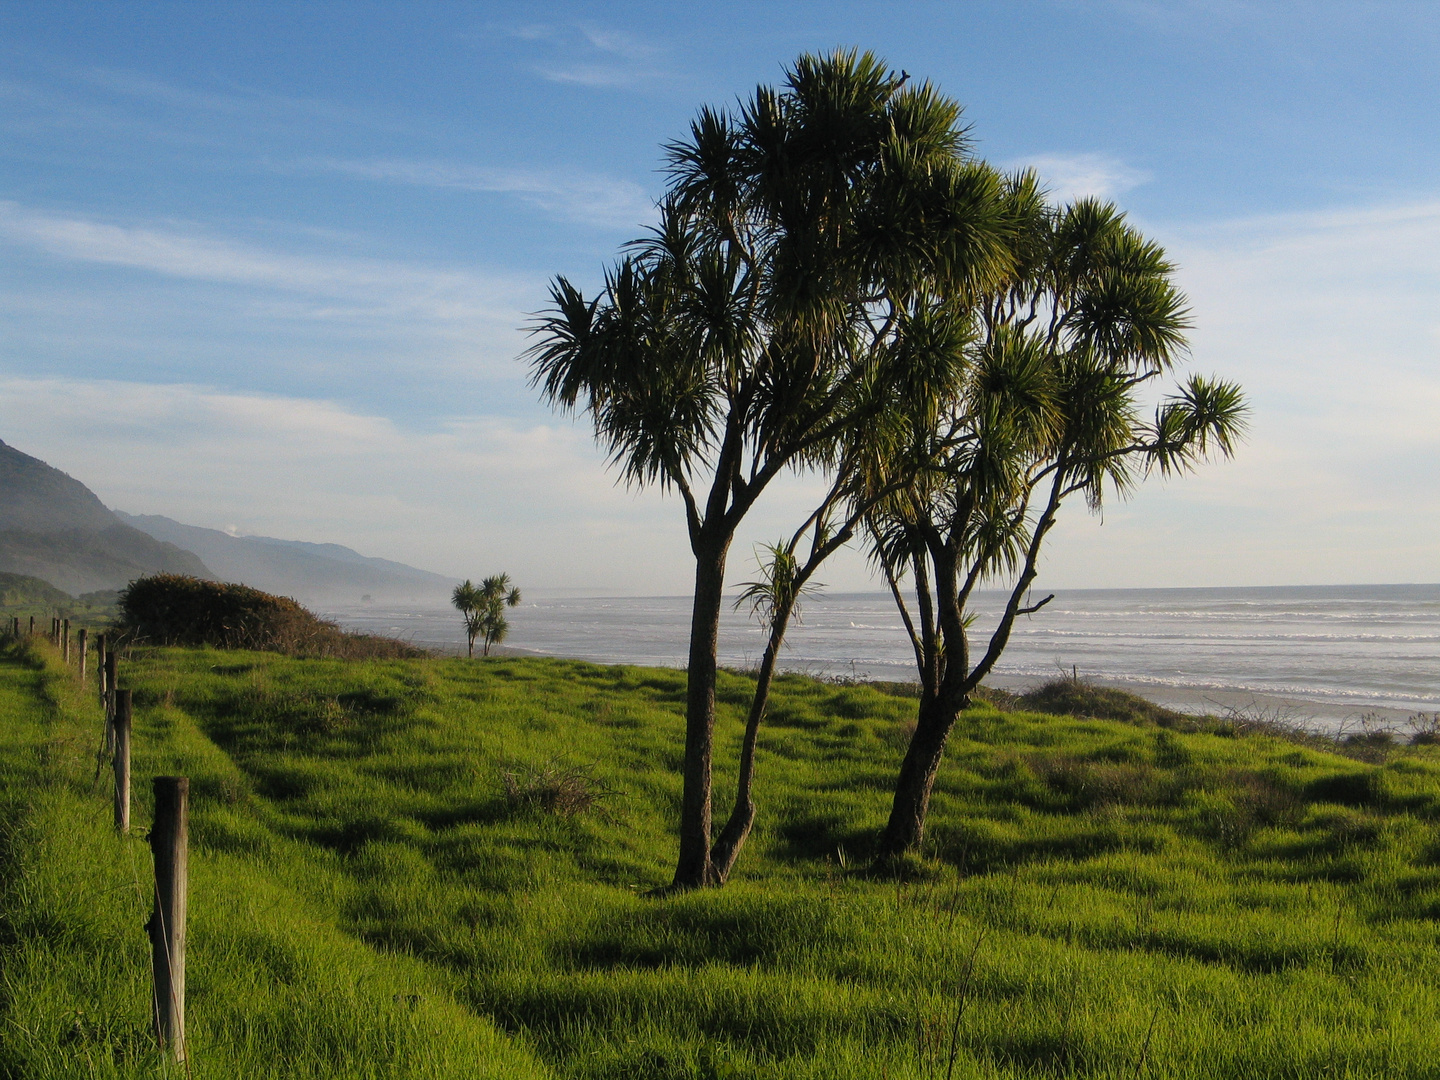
<point x="737" y="829"/>
<point x="694" y="868"/>
<point x="906" y="827"/>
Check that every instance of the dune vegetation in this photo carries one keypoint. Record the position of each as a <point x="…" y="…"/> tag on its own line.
<point x="440" y="868"/>
<point x="175" y="609"/>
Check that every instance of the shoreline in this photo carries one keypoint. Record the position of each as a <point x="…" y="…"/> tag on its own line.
<point x="1329" y="659"/>
<point x="1331" y="718"/>
<point x="1324" y="717"/>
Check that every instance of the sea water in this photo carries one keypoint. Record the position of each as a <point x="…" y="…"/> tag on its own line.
<point x="1324" y="653"/>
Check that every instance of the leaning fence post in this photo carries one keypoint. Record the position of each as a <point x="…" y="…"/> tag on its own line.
<point x="109" y="698"/>
<point x="65" y="641"/>
<point x="81" y="644"/>
<point x="169" y="843"/>
<point x="122" y="761"/>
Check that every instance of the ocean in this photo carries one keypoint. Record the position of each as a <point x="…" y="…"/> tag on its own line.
<point x="1323" y="656"/>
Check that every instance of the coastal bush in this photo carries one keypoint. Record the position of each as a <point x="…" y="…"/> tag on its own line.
<point x="173" y="609"/>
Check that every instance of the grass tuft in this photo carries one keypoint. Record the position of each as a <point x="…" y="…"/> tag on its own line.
<point x="554" y="788"/>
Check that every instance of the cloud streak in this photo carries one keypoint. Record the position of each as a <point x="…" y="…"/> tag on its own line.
<point x="593" y="56"/>
<point x="373" y="286"/>
<point x="1076" y="176"/>
<point x="591" y="199"/>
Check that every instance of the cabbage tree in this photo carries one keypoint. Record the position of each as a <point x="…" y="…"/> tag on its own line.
<point x="1044" y="378"/>
<point x="756" y="327"/>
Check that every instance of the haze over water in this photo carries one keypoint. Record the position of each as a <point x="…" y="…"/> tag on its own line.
<point x="1320" y="653"/>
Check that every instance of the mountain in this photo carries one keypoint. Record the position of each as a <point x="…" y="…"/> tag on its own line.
<point x="311" y="573"/>
<point x="54" y="528"/>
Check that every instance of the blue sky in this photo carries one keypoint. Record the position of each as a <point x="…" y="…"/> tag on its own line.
<point x="265" y="266"/>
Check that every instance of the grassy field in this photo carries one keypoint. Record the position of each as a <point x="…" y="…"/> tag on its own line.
<point x="438" y="868"/>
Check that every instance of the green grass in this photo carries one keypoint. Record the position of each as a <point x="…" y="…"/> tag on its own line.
<point x="385" y="884"/>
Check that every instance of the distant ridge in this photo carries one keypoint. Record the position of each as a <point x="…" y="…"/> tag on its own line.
<point x="311" y="573"/>
<point x="54" y="528"/>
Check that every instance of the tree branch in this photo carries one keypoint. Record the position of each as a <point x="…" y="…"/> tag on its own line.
<point x="1034" y="607"/>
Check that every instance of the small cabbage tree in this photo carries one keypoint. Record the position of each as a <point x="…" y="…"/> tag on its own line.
<point x="483" y="609"/>
<point x="774" y="599"/>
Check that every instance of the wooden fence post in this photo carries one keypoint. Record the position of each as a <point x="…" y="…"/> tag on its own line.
<point x="169" y="843"/>
<point x="65" y="641"/>
<point x="55" y="630"/>
<point x="100" y="664"/>
<point x="122" y="761"/>
<point x="109" y="699"/>
<point x="15" y="626"/>
<point x="82" y="644"/>
<point x="32" y="625"/>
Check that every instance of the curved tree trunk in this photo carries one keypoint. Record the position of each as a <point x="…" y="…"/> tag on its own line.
<point x="939" y="710"/>
<point x="694" y="868"/>
<point x="742" y="817"/>
<point x="944" y="694"/>
<point x="906" y="827"/>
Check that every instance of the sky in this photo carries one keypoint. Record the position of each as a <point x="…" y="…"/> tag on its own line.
<point x="267" y="268"/>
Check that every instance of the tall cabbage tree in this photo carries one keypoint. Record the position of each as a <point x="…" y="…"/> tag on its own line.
<point x="757" y="327"/>
<point x="1044" y="378"/>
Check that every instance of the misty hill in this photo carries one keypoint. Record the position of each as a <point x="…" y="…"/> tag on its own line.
<point x="54" y="528"/>
<point x="312" y="573"/>
<point x="21" y="595"/>
<point x="18" y="590"/>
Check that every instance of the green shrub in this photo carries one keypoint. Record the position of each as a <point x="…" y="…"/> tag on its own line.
<point x="172" y="609"/>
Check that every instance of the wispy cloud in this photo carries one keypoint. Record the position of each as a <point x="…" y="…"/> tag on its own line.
<point x="1075" y="176"/>
<point x="182" y="251"/>
<point x="235" y="101"/>
<point x="585" y="54"/>
<point x="1334" y="313"/>
<point x="594" y="200"/>
<point x="618" y="43"/>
